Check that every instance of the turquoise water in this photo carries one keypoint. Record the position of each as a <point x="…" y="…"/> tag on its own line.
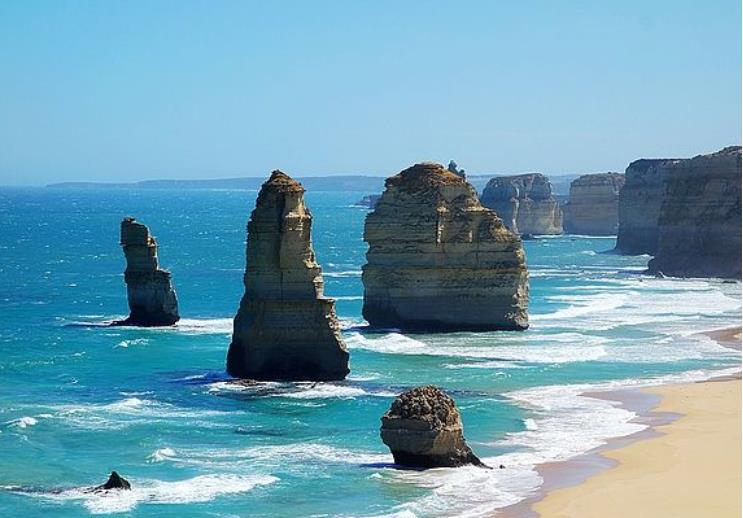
<point x="77" y="402"/>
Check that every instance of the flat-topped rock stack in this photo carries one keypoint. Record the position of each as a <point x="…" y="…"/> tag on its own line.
<point x="439" y="260"/>
<point x="639" y="206"/>
<point x="152" y="299"/>
<point x="525" y="203"/>
<point x="699" y="225"/>
<point x="423" y="429"/>
<point x="593" y="206"/>
<point x="285" y="329"/>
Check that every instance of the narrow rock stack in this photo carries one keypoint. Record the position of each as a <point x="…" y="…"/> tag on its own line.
<point x="593" y="207"/>
<point x="152" y="299"/>
<point x="639" y="206"/>
<point x="525" y="203"/>
<point x="423" y="429"/>
<point x="439" y="260"/>
<point x="285" y="329"/>
<point x="699" y="225"/>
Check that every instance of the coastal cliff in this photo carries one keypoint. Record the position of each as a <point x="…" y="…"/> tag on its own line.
<point x="525" y="203"/>
<point x="699" y="225"/>
<point x="593" y="206"/>
<point x="152" y="299"/>
<point x="439" y="260"/>
<point x="285" y="329"/>
<point x="639" y="206"/>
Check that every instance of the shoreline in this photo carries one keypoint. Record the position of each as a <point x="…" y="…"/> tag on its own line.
<point x="650" y="404"/>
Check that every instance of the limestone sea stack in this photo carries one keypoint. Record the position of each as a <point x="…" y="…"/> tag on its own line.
<point x="525" y="203"/>
<point x="639" y="206"/>
<point x="439" y="260"/>
<point x="593" y="206"/>
<point x="285" y="329"/>
<point x="423" y="429"/>
<point x="152" y="299"/>
<point x="699" y="225"/>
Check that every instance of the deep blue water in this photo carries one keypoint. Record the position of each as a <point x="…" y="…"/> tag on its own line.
<point x="77" y="402"/>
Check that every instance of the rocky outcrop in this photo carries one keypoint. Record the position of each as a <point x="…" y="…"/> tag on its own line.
<point x="369" y="201"/>
<point x="115" y="481"/>
<point x="439" y="260"/>
<point x="423" y="429"/>
<point x="699" y="224"/>
<point x="285" y="329"/>
<point x="639" y="206"/>
<point x="593" y="206"/>
<point x="152" y="299"/>
<point x="454" y="168"/>
<point x="525" y="203"/>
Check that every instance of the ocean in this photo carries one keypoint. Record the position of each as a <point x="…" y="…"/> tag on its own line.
<point x="79" y="399"/>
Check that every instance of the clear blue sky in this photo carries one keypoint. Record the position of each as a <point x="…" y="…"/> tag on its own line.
<point x="122" y="91"/>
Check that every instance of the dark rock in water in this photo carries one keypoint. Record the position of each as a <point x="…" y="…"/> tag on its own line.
<point x="525" y="203"/>
<point x="423" y="429"/>
<point x="527" y="237"/>
<point x="369" y="201"/>
<point x="285" y="329"/>
<point x="152" y="299"/>
<point x="439" y="260"/>
<point x="115" y="481"/>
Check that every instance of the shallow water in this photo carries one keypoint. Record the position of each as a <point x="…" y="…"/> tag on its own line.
<point x="77" y="402"/>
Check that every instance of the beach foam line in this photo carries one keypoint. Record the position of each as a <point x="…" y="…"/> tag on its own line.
<point x="563" y="423"/>
<point x="202" y="488"/>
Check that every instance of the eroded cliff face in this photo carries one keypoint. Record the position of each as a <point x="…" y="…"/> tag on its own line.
<point x="699" y="225"/>
<point x="285" y="329"/>
<point x="525" y="203"/>
<point x="151" y="296"/>
<point x="439" y="260"/>
<point x="593" y="206"/>
<point x="639" y="206"/>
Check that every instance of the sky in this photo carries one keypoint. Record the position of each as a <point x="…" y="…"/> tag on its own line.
<point x="118" y="91"/>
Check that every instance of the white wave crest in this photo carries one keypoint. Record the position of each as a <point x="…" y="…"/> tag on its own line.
<point x="529" y="348"/>
<point x="202" y="488"/>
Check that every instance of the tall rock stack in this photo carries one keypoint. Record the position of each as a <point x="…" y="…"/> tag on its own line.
<point x="152" y="299"/>
<point x="525" y="203"/>
<point x="699" y="226"/>
<point x="639" y="206"/>
<point x="593" y="206"/>
<point x="285" y="329"/>
<point x="439" y="260"/>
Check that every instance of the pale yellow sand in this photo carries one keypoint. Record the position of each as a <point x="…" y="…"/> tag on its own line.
<point x="692" y="470"/>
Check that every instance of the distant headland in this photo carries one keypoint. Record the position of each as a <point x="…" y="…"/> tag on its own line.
<point x="365" y="183"/>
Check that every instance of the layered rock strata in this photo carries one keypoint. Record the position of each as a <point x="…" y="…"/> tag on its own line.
<point x="639" y="206"/>
<point x="593" y="206"/>
<point x="285" y="329"/>
<point x="152" y="298"/>
<point x="699" y="225"/>
<point x="439" y="260"/>
<point x="525" y="203"/>
<point x="423" y="429"/>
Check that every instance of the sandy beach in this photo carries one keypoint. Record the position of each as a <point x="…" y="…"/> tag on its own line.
<point x="691" y="468"/>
